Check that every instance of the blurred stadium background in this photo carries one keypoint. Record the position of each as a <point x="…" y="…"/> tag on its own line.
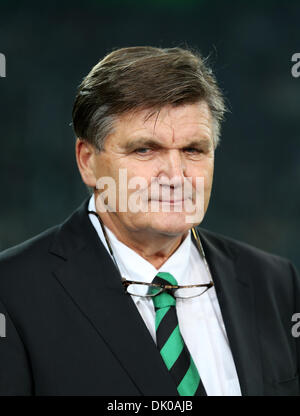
<point x="50" y="47"/>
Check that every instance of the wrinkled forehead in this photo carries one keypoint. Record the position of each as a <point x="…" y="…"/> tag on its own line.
<point x="169" y="124"/>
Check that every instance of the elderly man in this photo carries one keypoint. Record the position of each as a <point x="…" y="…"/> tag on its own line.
<point x="129" y="296"/>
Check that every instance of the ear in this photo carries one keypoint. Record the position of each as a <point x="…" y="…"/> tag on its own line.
<point x="85" y="153"/>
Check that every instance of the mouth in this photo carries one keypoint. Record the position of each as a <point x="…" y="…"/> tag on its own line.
<point x="170" y="201"/>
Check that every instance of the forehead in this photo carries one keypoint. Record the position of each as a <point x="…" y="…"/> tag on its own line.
<point x="169" y="125"/>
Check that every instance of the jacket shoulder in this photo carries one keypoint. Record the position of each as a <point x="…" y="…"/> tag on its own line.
<point x="272" y="274"/>
<point x="22" y="256"/>
<point x="29" y="265"/>
<point x="241" y="249"/>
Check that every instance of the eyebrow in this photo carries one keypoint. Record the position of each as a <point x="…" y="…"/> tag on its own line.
<point x="149" y="142"/>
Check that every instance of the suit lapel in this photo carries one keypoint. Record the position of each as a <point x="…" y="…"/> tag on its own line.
<point x="91" y="280"/>
<point x="235" y="296"/>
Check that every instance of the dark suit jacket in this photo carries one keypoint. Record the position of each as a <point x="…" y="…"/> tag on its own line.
<point x="71" y="329"/>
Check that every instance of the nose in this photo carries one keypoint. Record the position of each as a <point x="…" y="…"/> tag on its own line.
<point x="172" y="166"/>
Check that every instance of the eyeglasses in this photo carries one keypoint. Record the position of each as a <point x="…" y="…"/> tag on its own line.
<point x="149" y="290"/>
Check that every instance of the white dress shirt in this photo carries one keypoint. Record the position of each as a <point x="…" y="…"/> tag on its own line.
<point x="200" y="320"/>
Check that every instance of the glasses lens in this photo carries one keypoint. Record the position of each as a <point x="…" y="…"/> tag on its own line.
<point x="142" y="290"/>
<point x="189" y="292"/>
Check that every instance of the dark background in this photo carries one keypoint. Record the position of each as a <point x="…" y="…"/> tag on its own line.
<point x="51" y="46"/>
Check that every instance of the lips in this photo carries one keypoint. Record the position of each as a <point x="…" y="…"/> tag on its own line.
<point x="172" y="201"/>
<point x="169" y="201"/>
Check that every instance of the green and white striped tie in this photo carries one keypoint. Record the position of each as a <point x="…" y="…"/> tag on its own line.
<point x="170" y="343"/>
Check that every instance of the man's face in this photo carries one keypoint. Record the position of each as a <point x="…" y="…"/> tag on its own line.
<point x="175" y="144"/>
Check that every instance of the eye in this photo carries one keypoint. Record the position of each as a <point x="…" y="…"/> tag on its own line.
<point x="193" y="150"/>
<point x="142" y="150"/>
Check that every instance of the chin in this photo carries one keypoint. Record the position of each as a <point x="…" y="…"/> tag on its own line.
<point x="170" y="223"/>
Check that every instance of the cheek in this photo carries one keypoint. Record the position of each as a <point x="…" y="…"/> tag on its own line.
<point x="109" y="166"/>
<point x="103" y="166"/>
<point x="145" y="170"/>
<point x="202" y="171"/>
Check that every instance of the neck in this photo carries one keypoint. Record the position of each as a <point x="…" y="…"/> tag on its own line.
<point x="154" y="247"/>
